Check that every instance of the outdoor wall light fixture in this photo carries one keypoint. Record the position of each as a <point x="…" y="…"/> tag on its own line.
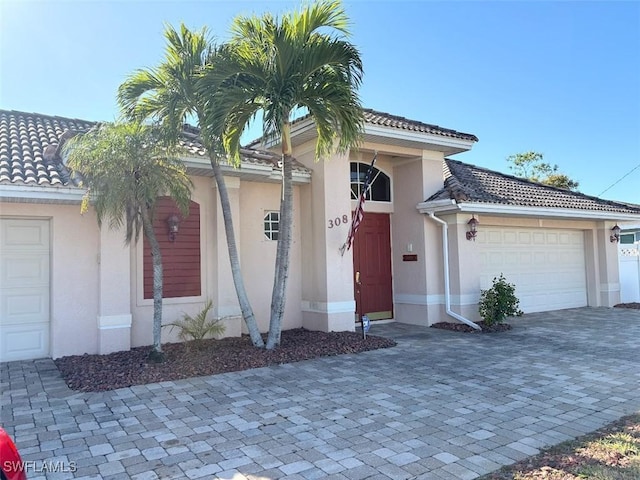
<point x="174" y="223"/>
<point x="473" y="228"/>
<point x="615" y="234"/>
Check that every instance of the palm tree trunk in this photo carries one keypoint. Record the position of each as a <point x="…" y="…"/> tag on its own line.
<point x="147" y="226"/>
<point x="243" y="299"/>
<point x="278" y="296"/>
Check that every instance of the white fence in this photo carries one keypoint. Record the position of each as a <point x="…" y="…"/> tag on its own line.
<point x="629" y="260"/>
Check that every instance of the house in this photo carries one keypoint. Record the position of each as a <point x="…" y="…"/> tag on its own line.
<point x="629" y="262"/>
<point x="68" y="287"/>
<point x="630" y="234"/>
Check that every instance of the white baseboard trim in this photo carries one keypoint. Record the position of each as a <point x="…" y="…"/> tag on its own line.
<point x="329" y="307"/>
<point x="106" y="322"/>
<point x="609" y="287"/>
<point x="456" y="300"/>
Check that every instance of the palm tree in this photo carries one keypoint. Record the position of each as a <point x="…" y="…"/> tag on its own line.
<point x="125" y="168"/>
<point x="280" y="67"/>
<point x="168" y="95"/>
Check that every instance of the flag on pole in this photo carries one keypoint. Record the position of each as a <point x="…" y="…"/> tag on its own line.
<point x="358" y="213"/>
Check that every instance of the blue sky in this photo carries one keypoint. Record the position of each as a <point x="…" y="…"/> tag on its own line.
<point x="561" y="78"/>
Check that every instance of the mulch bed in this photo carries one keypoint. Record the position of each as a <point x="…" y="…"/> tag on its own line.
<point x="461" y="327"/>
<point x="94" y="373"/>
<point x="502" y="327"/>
<point x="634" y="305"/>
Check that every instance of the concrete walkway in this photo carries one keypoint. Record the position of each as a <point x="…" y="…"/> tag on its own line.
<point x="439" y="405"/>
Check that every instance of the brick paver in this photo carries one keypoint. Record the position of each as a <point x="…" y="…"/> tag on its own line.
<point x="439" y="405"/>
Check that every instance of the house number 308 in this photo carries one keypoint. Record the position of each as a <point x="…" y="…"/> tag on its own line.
<point x="336" y="222"/>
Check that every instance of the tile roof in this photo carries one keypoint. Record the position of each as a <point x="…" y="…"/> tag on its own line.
<point x="29" y="148"/>
<point x="468" y="183"/>
<point x="190" y="141"/>
<point x="375" y="117"/>
<point x="387" y="120"/>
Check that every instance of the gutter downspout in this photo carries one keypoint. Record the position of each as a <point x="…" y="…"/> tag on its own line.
<point x="447" y="293"/>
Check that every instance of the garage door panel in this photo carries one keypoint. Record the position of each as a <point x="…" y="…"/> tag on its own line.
<point x="576" y="239"/>
<point x="24" y="289"/>
<point x="525" y="258"/>
<point x="20" y="269"/>
<point x="510" y="258"/>
<point x="550" y="271"/>
<point x="509" y="237"/>
<point x="494" y="237"/>
<point x="23" y="342"/>
<point x="539" y="258"/>
<point x="24" y="305"/>
<point x="523" y="238"/>
<point x="565" y="239"/>
<point x="538" y="238"/>
<point x="495" y="259"/>
<point x="25" y="234"/>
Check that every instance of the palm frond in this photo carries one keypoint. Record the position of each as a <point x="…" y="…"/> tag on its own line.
<point x="168" y="95"/>
<point x="282" y="65"/>
<point x="322" y="14"/>
<point x="126" y="167"/>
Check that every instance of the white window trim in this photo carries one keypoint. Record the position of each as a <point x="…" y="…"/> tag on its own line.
<point x="375" y="177"/>
<point x="268" y="233"/>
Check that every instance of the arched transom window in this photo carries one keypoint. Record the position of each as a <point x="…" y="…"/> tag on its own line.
<point x="380" y="188"/>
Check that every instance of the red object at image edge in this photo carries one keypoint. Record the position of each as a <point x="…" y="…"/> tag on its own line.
<point x="11" y="466"/>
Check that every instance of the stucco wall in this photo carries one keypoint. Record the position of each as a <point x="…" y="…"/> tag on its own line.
<point x="408" y="230"/>
<point x="249" y="202"/>
<point x="327" y="275"/>
<point x="258" y="253"/>
<point x="418" y="285"/>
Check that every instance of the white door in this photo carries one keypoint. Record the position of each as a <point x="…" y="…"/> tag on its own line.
<point x="24" y="289"/>
<point x="547" y="266"/>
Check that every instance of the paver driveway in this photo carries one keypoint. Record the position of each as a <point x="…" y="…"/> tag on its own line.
<point x="439" y="405"/>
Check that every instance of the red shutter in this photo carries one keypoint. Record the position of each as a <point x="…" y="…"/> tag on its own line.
<point x="180" y="258"/>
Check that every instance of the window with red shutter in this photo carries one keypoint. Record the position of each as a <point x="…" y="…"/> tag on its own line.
<point x="180" y="257"/>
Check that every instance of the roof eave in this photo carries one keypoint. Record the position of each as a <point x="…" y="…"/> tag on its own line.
<point x="413" y="139"/>
<point x="247" y="171"/>
<point x="21" y="193"/>
<point x="630" y="226"/>
<point x="438" y="206"/>
<point x="304" y="131"/>
<point x="450" y="206"/>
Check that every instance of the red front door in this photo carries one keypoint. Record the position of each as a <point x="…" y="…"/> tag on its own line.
<point x="372" y="258"/>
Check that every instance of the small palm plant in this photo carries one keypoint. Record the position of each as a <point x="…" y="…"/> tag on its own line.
<point x="199" y="327"/>
<point x="499" y="302"/>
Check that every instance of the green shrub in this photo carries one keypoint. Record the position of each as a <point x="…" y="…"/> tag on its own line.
<point x="199" y="327"/>
<point x="499" y="302"/>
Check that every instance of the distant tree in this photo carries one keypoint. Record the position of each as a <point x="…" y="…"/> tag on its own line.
<point x="531" y="165"/>
<point x="125" y="168"/>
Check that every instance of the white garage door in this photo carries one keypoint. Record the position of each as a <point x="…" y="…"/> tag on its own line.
<point x="547" y="266"/>
<point x="24" y="289"/>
